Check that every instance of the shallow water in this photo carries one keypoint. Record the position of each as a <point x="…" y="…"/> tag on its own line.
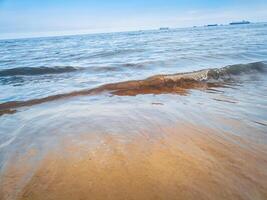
<point x="195" y="137"/>
<point x="208" y="144"/>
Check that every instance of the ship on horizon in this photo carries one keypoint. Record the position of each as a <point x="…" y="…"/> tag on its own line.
<point x="210" y="25"/>
<point x="164" y="28"/>
<point x="240" y="22"/>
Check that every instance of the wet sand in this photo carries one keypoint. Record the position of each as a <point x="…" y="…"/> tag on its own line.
<point x="165" y="137"/>
<point x="183" y="162"/>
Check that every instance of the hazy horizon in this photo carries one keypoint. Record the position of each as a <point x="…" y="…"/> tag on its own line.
<point x="54" y="18"/>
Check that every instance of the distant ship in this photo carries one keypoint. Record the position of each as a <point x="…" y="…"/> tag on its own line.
<point x="209" y="25"/>
<point x="238" y="23"/>
<point x="164" y="28"/>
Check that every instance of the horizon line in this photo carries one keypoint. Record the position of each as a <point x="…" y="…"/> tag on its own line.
<point x="106" y="32"/>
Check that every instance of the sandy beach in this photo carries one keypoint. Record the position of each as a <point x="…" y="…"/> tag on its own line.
<point x="184" y="162"/>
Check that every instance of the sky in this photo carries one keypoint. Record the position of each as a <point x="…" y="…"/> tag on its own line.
<point x="35" y="18"/>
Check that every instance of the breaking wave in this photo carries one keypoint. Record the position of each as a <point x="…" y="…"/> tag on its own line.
<point x="232" y="71"/>
<point x="160" y="84"/>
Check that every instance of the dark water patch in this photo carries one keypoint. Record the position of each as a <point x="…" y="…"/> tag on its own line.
<point x="115" y="52"/>
<point x="104" y="69"/>
<point x="137" y="65"/>
<point x="33" y="71"/>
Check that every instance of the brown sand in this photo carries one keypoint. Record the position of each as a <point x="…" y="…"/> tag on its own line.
<point x="183" y="162"/>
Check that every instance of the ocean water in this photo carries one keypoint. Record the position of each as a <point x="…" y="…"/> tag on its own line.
<point x="176" y="114"/>
<point x="40" y="67"/>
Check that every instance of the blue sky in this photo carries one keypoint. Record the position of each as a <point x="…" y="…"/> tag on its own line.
<point x="26" y="18"/>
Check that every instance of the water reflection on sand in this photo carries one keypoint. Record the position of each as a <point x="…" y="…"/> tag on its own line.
<point x="195" y="146"/>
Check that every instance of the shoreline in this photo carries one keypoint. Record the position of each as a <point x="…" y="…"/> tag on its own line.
<point x="177" y="83"/>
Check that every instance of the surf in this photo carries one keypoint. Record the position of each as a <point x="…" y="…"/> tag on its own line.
<point x="177" y="83"/>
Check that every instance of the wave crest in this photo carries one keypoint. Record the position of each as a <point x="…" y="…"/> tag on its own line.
<point x="231" y="71"/>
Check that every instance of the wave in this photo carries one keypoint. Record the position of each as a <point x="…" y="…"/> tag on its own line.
<point x="160" y="84"/>
<point x="230" y="72"/>
<point x="33" y="71"/>
<point x="36" y="71"/>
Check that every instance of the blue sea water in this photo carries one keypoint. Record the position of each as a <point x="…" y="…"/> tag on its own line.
<point x="41" y="67"/>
